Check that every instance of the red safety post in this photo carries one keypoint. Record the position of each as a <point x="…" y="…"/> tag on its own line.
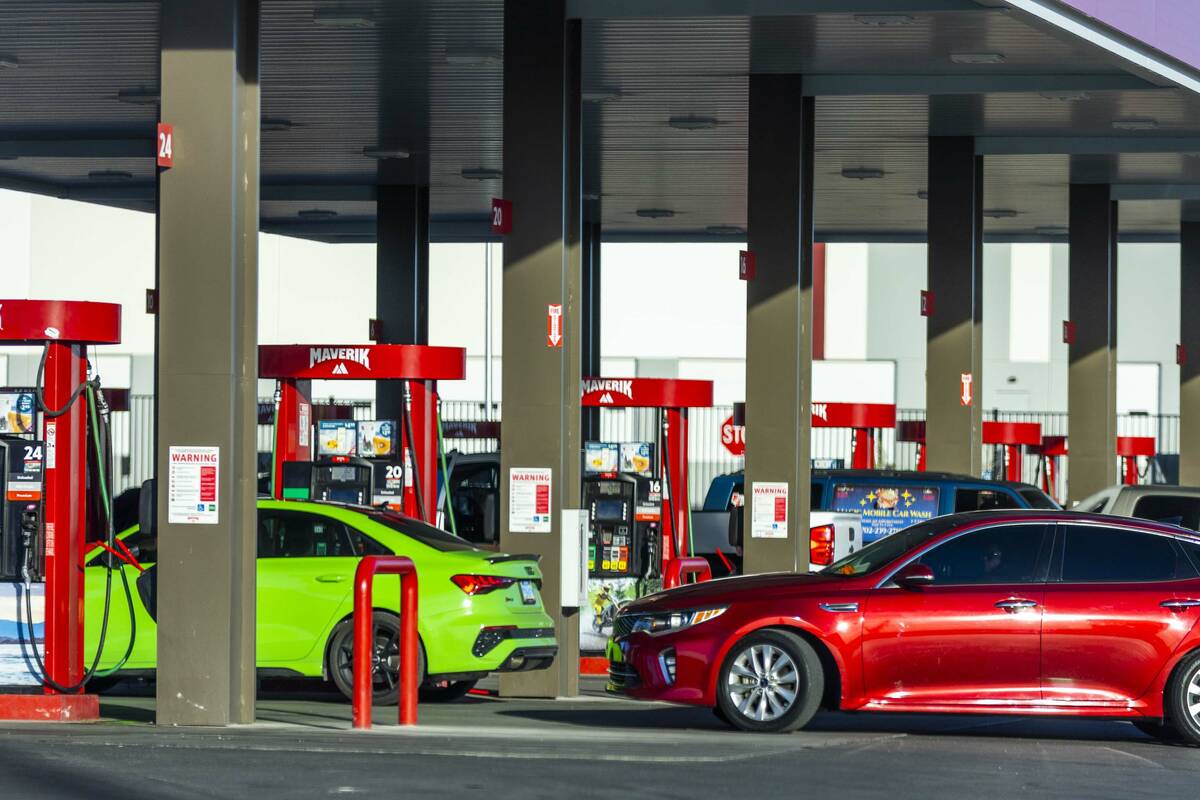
<point x="365" y="659"/>
<point x="684" y="566"/>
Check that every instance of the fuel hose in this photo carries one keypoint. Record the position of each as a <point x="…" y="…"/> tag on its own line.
<point x="101" y="442"/>
<point x="445" y="473"/>
<point x="408" y="432"/>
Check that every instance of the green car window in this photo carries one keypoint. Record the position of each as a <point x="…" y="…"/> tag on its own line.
<point x="295" y="534"/>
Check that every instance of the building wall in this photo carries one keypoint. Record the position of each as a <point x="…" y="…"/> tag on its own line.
<point x="667" y="309"/>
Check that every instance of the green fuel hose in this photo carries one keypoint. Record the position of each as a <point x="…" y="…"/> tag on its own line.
<point x="446" y="474"/>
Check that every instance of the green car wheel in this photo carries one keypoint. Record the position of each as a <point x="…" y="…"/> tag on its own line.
<point x="385" y="669"/>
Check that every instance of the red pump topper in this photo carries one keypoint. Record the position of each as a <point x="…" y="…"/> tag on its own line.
<point x="64" y="329"/>
<point x="296" y="365"/>
<point x="674" y="397"/>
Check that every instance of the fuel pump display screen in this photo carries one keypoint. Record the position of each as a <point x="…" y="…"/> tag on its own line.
<point x="342" y="474"/>
<point x="610" y="510"/>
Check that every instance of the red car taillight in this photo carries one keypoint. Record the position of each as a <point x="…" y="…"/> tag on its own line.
<point x="481" y="584"/>
<point x="820" y="545"/>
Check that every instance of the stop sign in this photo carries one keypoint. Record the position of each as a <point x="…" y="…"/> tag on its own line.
<point x="733" y="437"/>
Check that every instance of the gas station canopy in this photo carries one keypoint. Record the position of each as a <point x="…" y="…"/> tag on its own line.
<point x="378" y="93"/>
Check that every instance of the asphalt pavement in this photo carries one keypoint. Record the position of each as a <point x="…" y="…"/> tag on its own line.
<point x="593" y="746"/>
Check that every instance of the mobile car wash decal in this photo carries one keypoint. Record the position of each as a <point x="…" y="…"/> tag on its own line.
<point x="885" y="509"/>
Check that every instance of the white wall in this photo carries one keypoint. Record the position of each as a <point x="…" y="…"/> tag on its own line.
<point x="667" y="309"/>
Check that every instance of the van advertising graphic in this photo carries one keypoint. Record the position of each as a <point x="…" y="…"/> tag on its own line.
<point x="885" y="509"/>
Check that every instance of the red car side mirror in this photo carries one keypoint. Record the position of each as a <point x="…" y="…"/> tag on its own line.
<point x="914" y="576"/>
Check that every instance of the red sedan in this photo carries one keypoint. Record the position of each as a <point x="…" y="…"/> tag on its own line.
<point x="990" y="612"/>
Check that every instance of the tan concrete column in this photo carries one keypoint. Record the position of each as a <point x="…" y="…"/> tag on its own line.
<point x="1189" y="337"/>
<point x="207" y="357"/>
<point x="779" y="313"/>
<point x="954" y="348"/>
<point x="542" y="266"/>
<point x="1092" y="371"/>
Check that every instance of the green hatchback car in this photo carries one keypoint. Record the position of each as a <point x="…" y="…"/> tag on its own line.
<point x="478" y="611"/>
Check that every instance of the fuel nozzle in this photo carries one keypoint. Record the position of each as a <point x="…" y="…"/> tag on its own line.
<point x="29" y="522"/>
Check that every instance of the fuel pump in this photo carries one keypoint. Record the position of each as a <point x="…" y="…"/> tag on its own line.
<point x="1013" y="438"/>
<point x="864" y="420"/>
<point x="418" y="366"/>
<point x="1130" y="449"/>
<point x="636" y="497"/>
<point x="46" y="497"/>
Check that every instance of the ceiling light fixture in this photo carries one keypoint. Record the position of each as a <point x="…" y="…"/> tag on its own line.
<point x="317" y="213"/>
<point x="1066" y="96"/>
<point x="692" y="123"/>
<point x="591" y="195"/>
<point x="9" y="62"/>
<point x="977" y="58"/>
<point x="140" y="96"/>
<point x="884" y="20"/>
<point x="999" y="213"/>
<point x="1146" y="124"/>
<point x="109" y="175"/>
<point x="862" y="173"/>
<point x="383" y="153"/>
<point x="923" y="194"/>
<point x="1051" y="230"/>
<point x="472" y="57"/>
<point x="725" y="230"/>
<point x="481" y="174"/>
<point x="655" y="213"/>
<point x="341" y="18"/>
<point x="601" y="95"/>
<point x="276" y="124"/>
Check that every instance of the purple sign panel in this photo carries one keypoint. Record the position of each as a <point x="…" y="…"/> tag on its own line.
<point x="1172" y="26"/>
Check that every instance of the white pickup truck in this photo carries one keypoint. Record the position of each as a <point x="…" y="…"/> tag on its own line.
<point x="1174" y="505"/>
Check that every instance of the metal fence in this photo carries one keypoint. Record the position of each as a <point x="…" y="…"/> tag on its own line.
<point x="133" y="439"/>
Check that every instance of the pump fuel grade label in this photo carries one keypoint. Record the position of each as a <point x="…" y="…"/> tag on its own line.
<point x="192" y="485"/>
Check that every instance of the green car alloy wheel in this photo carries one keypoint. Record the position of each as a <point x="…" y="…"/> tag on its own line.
<point x="479" y="611"/>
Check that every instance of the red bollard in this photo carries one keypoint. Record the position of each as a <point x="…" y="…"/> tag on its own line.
<point x="368" y="568"/>
<point x="684" y="566"/>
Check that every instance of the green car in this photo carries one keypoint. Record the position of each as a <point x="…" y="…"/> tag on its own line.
<point x="478" y="611"/>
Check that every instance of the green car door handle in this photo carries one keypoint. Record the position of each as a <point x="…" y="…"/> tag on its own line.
<point x="330" y="578"/>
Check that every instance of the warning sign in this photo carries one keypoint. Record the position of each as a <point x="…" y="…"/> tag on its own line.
<point x="769" y="510"/>
<point x="192" y="485"/>
<point x="529" y="499"/>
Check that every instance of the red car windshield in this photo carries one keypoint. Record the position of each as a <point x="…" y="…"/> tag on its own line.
<point x="882" y="552"/>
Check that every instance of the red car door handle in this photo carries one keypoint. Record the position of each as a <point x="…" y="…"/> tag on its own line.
<point x="1180" y="604"/>
<point x="1015" y="604"/>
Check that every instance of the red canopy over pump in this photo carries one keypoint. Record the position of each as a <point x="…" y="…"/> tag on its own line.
<point x="297" y="365"/>
<point x="674" y="397"/>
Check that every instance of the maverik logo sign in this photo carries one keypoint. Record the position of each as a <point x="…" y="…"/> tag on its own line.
<point x="359" y="355"/>
<point x="609" y="387"/>
<point x="821" y="411"/>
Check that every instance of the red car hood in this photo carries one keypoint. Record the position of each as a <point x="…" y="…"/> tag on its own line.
<point x="724" y="590"/>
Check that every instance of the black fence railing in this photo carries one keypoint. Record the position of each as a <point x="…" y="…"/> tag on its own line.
<point x="133" y="439"/>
